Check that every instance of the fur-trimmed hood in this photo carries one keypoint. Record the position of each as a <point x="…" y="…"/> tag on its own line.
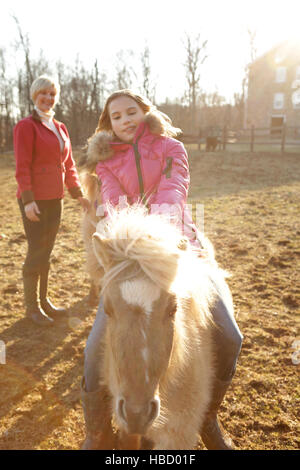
<point x="101" y="145"/>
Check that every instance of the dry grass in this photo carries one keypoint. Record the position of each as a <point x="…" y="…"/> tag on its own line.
<point x="252" y="217"/>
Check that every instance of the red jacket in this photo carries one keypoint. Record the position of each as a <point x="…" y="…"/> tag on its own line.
<point x="41" y="167"/>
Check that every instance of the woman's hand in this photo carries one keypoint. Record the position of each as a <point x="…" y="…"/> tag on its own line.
<point x="32" y="211"/>
<point x="85" y="203"/>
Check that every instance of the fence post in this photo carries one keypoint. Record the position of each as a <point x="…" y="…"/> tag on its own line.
<point x="199" y="139"/>
<point x="283" y="138"/>
<point x="224" y="137"/>
<point x="252" y="139"/>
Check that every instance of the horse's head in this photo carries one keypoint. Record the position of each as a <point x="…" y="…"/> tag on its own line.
<point x="140" y="338"/>
<point x="140" y="331"/>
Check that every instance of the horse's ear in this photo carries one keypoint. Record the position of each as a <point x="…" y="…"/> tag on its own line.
<point x="101" y="250"/>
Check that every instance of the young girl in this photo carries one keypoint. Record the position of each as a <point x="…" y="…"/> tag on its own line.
<point x="136" y="157"/>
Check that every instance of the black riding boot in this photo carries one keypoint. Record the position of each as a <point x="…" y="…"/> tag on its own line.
<point x="33" y="310"/>
<point x="211" y="432"/>
<point x="46" y="305"/>
<point x="97" y="416"/>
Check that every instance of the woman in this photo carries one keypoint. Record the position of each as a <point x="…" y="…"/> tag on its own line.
<point x="134" y="154"/>
<point x="44" y="163"/>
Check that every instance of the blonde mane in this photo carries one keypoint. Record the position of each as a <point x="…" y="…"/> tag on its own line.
<point x="137" y="239"/>
<point x="150" y="246"/>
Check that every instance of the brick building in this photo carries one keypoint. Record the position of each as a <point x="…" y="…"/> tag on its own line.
<point x="274" y="88"/>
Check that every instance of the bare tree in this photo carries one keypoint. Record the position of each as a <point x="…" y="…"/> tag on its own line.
<point x="195" y="57"/>
<point x="239" y="106"/>
<point x="98" y="89"/>
<point x="77" y="101"/>
<point x="149" y="87"/>
<point x="245" y="81"/>
<point x="80" y="101"/>
<point x="6" y="105"/>
<point x="212" y="114"/>
<point x="25" y="78"/>
<point x="125" y="73"/>
<point x="95" y="92"/>
<point x="252" y="42"/>
<point x="32" y="69"/>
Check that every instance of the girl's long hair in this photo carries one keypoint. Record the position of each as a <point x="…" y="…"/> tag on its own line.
<point x="145" y="104"/>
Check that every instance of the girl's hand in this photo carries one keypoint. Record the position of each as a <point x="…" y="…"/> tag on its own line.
<point x="32" y="211"/>
<point x="85" y="203"/>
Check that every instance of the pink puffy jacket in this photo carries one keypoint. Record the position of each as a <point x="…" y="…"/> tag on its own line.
<point x="153" y="170"/>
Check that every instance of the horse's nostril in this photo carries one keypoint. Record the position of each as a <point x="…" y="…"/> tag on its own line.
<point x="121" y="409"/>
<point x="154" y="408"/>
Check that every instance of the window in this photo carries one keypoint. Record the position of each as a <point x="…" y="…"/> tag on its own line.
<point x="296" y="99"/>
<point x="280" y="75"/>
<point x="278" y="101"/>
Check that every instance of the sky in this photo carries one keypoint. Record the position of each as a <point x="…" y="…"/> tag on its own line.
<point x="94" y="29"/>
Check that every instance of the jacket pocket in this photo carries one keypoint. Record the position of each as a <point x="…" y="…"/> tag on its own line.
<point x="46" y="170"/>
<point x="48" y="181"/>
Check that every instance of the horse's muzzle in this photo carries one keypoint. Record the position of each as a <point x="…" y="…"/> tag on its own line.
<point x="138" y="418"/>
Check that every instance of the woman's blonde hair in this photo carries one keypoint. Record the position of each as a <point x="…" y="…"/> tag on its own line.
<point x="145" y="104"/>
<point x="42" y="83"/>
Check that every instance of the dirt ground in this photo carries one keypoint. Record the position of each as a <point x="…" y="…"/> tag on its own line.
<point x="251" y="206"/>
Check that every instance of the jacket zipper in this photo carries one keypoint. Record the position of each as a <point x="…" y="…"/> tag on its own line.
<point x="139" y="171"/>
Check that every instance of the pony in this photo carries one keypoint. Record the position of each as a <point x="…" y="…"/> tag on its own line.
<point x="158" y="352"/>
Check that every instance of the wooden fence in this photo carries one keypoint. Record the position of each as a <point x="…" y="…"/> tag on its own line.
<point x="249" y="139"/>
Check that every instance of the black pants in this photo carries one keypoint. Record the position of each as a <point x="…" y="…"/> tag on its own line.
<point x="41" y="235"/>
